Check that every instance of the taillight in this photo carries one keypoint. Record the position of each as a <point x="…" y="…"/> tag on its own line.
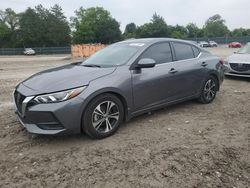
<point x="221" y="62"/>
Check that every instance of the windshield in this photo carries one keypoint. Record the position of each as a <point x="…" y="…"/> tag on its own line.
<point x="113" y="55"/>
<point x="245" y="49"/>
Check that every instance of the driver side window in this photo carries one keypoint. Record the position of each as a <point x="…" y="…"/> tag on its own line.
<point x="160" y="52"/>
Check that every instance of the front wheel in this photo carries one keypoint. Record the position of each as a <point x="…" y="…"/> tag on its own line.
<point x="103" y="116"/>
<point x="209" y="90"/>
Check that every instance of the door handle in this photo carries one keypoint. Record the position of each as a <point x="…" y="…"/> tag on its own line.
<point x="204" y="64"/>
<point x="172" y="70"/>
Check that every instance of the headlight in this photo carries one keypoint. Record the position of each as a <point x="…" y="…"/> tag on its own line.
<point x="59" y="96"/>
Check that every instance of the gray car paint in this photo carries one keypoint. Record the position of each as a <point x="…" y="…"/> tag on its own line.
<point x="139" y="90"/>
<point x="65" y="77"/>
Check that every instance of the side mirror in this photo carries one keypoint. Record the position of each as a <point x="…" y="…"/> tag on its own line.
<point x="146" y="63"/>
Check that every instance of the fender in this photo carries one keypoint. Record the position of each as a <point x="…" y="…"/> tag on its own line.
<point x="126" y="102"/>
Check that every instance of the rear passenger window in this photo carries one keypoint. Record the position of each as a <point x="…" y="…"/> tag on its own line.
<point x="183" y="51"/>
<point x="161" y="53"/>
<point x="196" y="51"/>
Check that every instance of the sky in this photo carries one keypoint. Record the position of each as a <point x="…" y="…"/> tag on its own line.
<point x="235" y="12"/>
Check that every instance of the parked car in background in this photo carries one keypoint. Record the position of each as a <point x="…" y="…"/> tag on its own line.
<point x="194" y="42"/>
<point x="29" y="51"/>
<point x="117" y="83"/>
<point x="238" y="64"/>
<point x="203" y="44"/>
<point x="212" y="44"/>
<point x="234" y="45"/>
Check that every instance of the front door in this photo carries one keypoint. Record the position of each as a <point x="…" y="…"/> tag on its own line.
<point x="153" y="86"/>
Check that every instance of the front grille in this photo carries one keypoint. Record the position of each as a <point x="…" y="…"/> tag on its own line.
<point x="19" y="98"/>
<point x="240" y="67"/>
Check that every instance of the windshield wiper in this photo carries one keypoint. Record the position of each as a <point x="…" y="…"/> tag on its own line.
<point x="92" y="65"/>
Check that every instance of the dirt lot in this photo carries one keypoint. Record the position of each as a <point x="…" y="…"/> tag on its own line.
<point x="186" y="145"/>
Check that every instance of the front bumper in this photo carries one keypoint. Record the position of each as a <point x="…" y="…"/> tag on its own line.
<point x="53" y="118"/>
<point x="231" y="72"/>
<point x="237" y="74"/>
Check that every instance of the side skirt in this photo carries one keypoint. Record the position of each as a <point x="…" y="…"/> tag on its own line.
<point x="156" y="107"/>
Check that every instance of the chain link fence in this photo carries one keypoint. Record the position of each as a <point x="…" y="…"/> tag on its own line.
<point x="38" y="50"/>
<point x="67" y="50"/>
<point x="223" y="40"/>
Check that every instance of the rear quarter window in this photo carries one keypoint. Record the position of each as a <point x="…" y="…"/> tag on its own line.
<point x="196" y="51"/>
<point x="183" y="51"/>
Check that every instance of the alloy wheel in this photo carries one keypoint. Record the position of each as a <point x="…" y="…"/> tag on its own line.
<point x="210" y="90"/>
<point x="105" y="116"/>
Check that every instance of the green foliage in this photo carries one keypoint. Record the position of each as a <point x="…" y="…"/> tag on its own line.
<point x="130" y="31"/>
<point x="215" y="27"/>
<point x="179" y="32"/>
<point x="49" y="27"/>
<point x="31" y="30"/>
<point x="95" y="25"/>
<point x="240" y="32"/>
<point x="34" y="27"/>
<point x="10" y="18"/>
<point x="192" y="30"/>
<point x="156" y="28"/>
<point x="5" y="34"/>
<point x="8" y="25"/>
<point x="43" y="27"/>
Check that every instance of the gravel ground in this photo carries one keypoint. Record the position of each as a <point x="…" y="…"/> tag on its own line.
<point x="186" y="145"/>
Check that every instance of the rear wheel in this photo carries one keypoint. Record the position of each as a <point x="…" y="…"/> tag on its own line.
<point x="209" y="90"/>
<point x="103" y="116"/>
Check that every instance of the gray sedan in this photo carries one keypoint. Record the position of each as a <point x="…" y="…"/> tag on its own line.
<point x="238" y="64"/>
<point x="121" y="81"/>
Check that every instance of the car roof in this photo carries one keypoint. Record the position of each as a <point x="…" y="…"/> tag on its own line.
<point x="154" y="40"/>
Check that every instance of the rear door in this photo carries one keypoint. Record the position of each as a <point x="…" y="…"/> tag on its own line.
<point x="189" y="69"/>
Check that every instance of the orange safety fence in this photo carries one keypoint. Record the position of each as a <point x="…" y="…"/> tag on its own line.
<point x="85" y="50"/>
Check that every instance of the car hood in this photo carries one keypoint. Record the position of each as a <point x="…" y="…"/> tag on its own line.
<point x="239" y="58"/>
<point x="65" y="77"/>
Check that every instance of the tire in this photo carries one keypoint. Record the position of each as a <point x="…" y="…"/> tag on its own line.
<point x="103" y="116"/>
<point x="209" y="90"/>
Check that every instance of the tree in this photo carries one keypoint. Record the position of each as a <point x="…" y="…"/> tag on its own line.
<point x="5" y="34"/>
<point x="240" y="32"/>
<point x="8" y="26"/>
<point x="179" y="32"/>
<point x="44" y="27"/>
<point x="58" y="30"/>
<point x="193" y="30"/>
<point x="156" y="28"/>
<point x="31" y="29"/>
<point x="130" y="31"/>
<point x="215" y="27"/>
<point x="159" y="26"/>
<point x="95" y="25"/>
<point x="10" y="18"/>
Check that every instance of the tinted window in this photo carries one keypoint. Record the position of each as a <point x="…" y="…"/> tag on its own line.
<point x="183" y="51"/>
<point x="196" y="51"/>
<point x="113" y="55"/>
<point x="161" y="53"/>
